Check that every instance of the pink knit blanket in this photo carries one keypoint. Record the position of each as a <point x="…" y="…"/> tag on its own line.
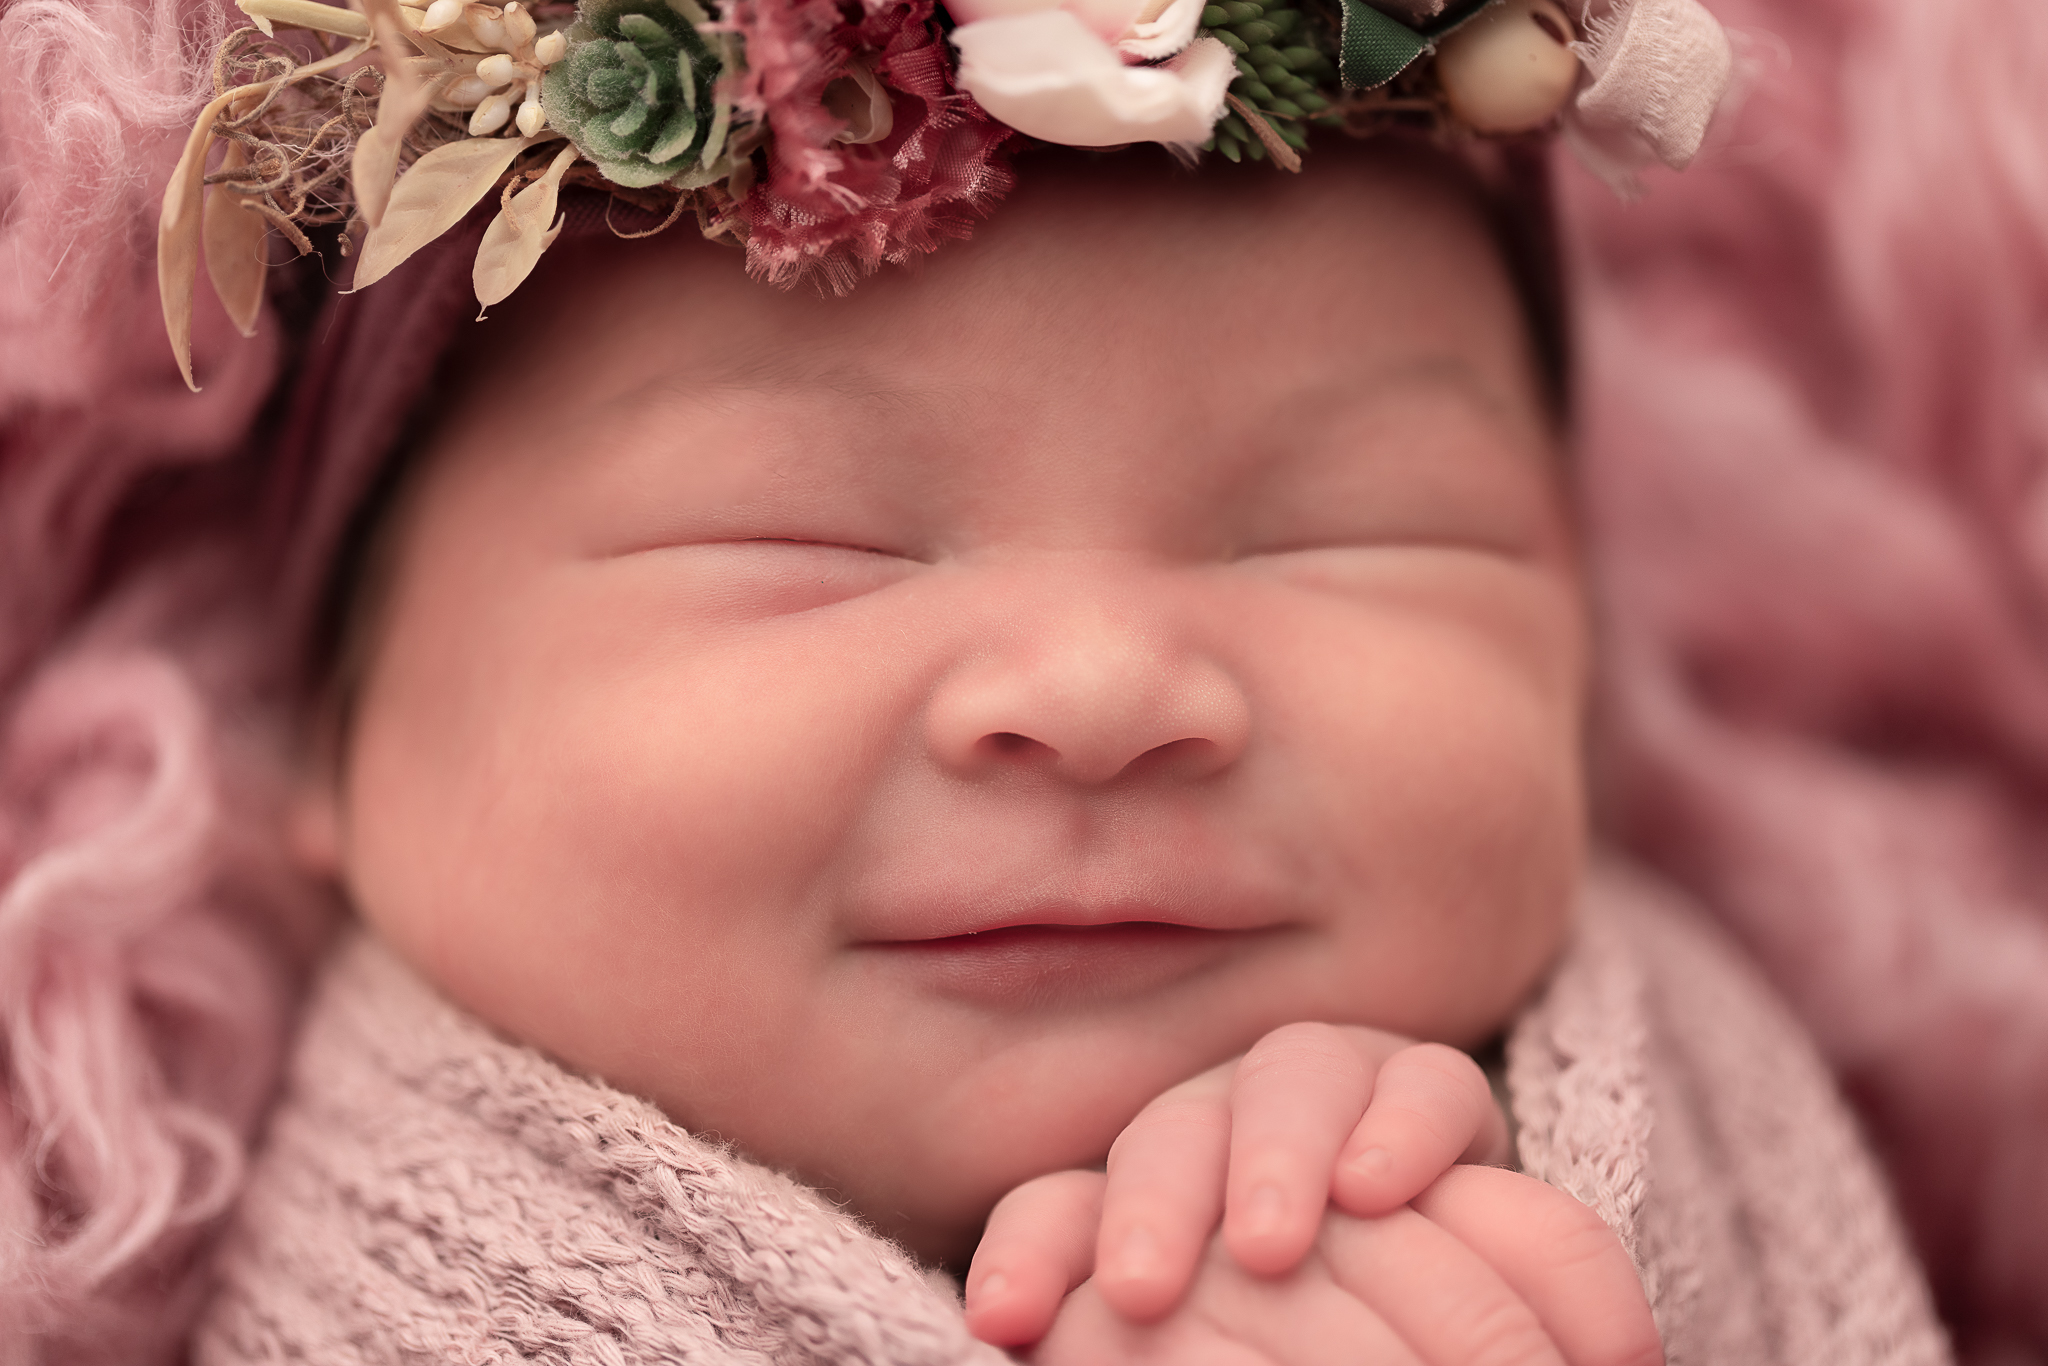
<point x="430" y="1193"/>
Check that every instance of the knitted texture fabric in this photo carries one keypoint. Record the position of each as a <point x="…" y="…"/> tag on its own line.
<point x="431" y="1193"/>
<point x="1660" y="1082"/>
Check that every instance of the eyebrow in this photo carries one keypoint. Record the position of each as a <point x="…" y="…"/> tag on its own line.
<point x="767" y="372"/>
<point x="1445" y="371"/>
<point x="1324" y="402"/>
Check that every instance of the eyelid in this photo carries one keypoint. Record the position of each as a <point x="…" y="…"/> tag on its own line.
<point x="1503" y="547"/>
<point x="659" y="544"/>
<point x="852" y="546"/>
<point x="754" y="578"/>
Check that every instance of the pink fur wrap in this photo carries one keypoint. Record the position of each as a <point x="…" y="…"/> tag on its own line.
<point x="1810" y="386"/>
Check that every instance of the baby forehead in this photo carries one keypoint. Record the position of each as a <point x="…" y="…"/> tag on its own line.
<point x="1374" y="250"/>
<point x="1153" y="343"/>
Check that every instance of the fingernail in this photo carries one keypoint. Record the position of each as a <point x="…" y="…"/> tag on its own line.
<point x="1137" y="1257"/>
<point x="1264" y="1209"/>
<point x="1373" y="1162"/>
<point x="990" y="1288"/>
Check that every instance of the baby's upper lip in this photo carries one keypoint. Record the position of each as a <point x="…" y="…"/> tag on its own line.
<point x="978" y="869"/>
<point x="963" y="913"/>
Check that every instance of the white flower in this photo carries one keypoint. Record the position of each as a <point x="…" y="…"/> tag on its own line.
<point x="1161" y="29"/>
<point x="1062" y="74"/>
<point x="1164" y="25"/>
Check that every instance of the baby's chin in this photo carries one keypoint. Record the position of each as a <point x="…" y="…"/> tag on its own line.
<point x="985" y="1074"/>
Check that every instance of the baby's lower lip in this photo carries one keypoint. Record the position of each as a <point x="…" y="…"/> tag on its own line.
<point x="1023" y="966"/>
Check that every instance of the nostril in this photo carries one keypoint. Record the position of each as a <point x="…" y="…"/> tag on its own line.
<point x="1009" y="744"/>
<point x="1190" y="757"/>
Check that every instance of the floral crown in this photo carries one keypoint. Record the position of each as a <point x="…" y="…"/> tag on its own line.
<point x="829" y="136"/>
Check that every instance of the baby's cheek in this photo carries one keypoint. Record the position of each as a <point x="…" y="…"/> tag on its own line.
<point x="1451" y="799"/>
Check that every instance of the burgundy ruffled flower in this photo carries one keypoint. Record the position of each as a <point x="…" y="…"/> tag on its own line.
<point x="836" y="211"/>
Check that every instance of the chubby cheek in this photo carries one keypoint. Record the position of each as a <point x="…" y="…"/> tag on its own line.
<point x="1442" y="774"/>
<point x="562" y="815"/>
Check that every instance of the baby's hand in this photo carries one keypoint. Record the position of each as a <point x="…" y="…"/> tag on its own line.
<point x="1313" y="1114"/>
<point x="1486" y="1266"/>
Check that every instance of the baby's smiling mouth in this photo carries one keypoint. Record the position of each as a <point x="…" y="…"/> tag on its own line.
<point x="1022" y="966"/>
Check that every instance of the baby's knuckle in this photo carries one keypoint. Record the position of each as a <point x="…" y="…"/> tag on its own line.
<point x="1451" y="1068"/>
<point x="1298" y="1047"/>
<point x="1423" y="1125"/>
<point x="1200" y="1123"/>
<point x="1507" y="1334"/>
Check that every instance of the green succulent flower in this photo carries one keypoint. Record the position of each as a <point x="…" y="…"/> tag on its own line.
<point x="636" y="91"/>
<point x="1285" y="67"/>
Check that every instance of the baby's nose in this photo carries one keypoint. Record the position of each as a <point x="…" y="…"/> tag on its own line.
<point x="1090" y="696"/>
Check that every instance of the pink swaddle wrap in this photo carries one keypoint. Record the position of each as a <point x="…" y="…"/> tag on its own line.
<point x="431" y="1193"/>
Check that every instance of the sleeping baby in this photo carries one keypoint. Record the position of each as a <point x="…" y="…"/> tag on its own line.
<point x="1056" y="778"/>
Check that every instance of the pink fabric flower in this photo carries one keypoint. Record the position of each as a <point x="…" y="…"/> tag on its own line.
<point x="837" y="211"/>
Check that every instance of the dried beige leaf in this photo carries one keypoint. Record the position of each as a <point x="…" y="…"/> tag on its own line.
<point x="315" y="15"/>
<point x="519" y="234"/>
<point x="234" y="236"/>
<point x="178" y="235"/>
<point x="372" y="167"/>
<point x="179" y="227"/>
<point x="375" y="162"/>
<point x="431" y="198"/>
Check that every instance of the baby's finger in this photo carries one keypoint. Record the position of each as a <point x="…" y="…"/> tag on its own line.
<point x="1296" y="1096"/>
<point x="1556" y="1254"/>
<point x="1164" y="1197"/>
<point x="1431" y="1107"/>
<point x="1440" y="1296"/>
<point x="1039" y="1244"/>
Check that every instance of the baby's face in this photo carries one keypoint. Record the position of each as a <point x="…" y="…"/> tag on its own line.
<point x="902" y="735"/>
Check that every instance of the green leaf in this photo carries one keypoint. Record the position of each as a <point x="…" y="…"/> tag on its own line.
<point x="675" y="138"/>
<point x="649" y="36"/>
<point x="629" y="123"/>
<point x="1374" y="47"/>
<point x="686" y="80"/>
<point x="639" y="98"/>
<point x="610" y="88"/>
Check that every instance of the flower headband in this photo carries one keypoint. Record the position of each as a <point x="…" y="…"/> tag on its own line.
<point x="829" y="136"/>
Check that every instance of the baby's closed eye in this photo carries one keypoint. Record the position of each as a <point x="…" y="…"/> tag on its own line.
<point x="741" y="580"/>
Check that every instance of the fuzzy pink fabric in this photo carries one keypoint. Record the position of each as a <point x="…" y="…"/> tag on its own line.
<point x="1811" y="385"/>
<point x="1814" y="441"/>
<point x="430" y="1192"/>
